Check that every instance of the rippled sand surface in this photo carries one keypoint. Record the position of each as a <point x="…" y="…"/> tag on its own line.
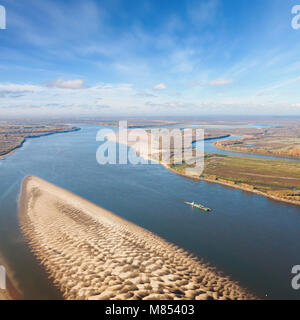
<point x="91" y="253"/>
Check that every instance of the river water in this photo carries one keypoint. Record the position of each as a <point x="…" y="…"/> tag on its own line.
<point x="253" y="239"/>
<point x="211" y="148"/>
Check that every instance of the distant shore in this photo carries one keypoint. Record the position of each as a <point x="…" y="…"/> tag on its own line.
<point x="144" y="154"/>
<point x="220" y="146"/>
<point x="20" y="145"/>
<point x="227" y="184"/>
<point x="90" y="253"/>
<point x="9" y="153"/>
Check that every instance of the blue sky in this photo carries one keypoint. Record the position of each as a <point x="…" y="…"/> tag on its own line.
<point x="149" y="57"/>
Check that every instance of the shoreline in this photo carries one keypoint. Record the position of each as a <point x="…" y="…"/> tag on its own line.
<point x="214" y="138"/>
<point x="274" y="155"/>
<point x="232" y="186"/>
<point x="9" y="153"/>
<point x="20" y="145"/>
<point x="198" y="178"/>
<point x="91" y="253"/>
<point x="11" y="292"/>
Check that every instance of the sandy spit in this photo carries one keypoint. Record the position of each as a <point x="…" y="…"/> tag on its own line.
<point x="91" y="253"/>
<point x="143" y="152"/>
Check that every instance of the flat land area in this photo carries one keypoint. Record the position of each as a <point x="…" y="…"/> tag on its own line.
<point x="278" y="178"/>
<point x="12" y="136"/>
<point x="277" y="142"/>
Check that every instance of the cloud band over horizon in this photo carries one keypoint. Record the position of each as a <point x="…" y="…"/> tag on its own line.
<point x="191" y="57"/>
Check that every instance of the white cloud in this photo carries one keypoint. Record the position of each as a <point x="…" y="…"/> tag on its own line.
<point x="66" y="84"/>
<point x="12" y="87"/>
<point x="12" y="90"/>
<point x="160" y="86"/>
<point x="170" y="104"/>
<point x="196" y="84"/>
<point x="145" y="95"/>
<point x="221" y="82"/>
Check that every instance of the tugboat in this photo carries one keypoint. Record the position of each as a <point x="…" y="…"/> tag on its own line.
<point x="198" y="206"/>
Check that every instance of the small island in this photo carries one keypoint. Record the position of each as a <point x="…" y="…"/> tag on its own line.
<point x="91" y="253"/>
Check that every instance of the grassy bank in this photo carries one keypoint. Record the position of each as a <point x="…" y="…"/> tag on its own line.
<point x="283" y="147"/>
<point x="274" y="178"/>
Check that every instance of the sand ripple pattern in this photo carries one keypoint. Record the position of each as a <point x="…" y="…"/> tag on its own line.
<point x="90" y="253"/>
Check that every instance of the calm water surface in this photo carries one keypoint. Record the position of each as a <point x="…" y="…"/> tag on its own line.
<point x="253" y="239"/>
<point x="211" y="148"/>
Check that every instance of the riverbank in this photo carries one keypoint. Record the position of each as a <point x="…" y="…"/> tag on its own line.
<point x="90" y="253"/>
<point x="282" y="148"/>
<point x="12" y="141"/>
<point x="232" y="185"/>
<point x="276" y="179"/>
<point x="4" y="156"/>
